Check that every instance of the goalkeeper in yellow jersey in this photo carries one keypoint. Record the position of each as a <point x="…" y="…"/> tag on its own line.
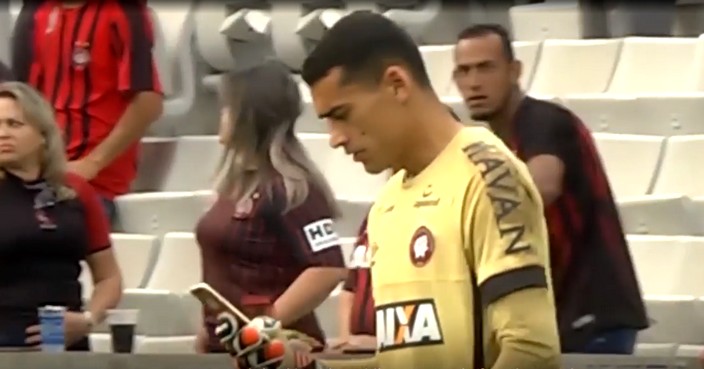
<point x="459" y="248"/>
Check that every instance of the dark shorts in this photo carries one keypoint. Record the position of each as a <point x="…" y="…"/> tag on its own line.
<point x="615" y="342"/>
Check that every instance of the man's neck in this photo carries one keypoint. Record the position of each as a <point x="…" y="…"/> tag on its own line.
<point x="435" y="129"/>
<point x="502" y="124"/>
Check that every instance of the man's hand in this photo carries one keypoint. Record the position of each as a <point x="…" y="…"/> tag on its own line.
<point x="85" y="168"/>
<point x="259" y="344"/>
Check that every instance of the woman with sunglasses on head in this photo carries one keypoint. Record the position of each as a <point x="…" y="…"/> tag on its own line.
<point x="268" y="243"/>
<point x="52" y="220"/>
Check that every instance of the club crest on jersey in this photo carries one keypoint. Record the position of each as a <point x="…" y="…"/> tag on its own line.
<point x="407" y="324"/>
<point x="81" y="55"/>
<point x="422" y="247"/>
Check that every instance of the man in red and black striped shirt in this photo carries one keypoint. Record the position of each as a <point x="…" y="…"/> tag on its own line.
<point x="357" y="315"/>
<point x="93" y="61"/>
<point x="600" y="308"/>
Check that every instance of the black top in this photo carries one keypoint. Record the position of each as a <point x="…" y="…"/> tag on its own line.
<point x="41" y="245"/>
<point x="594" y="280"/>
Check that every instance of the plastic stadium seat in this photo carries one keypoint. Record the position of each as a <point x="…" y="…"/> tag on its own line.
<point x="657" y="260"/>
<point x="213" y="46"/>
<point x="439" y="62"/>
<point x="161" y="313"/>
<point x="537" y="22"/>
<point x="166" y="345"/>
<point x="194" y="164"/>
<point x="159" y="212"/>
<point x="353" y="213"/>
<point x="689" y="351"/>
<point x="607" y="113"/>
<point x="134" y="254"/>
<point x="527" y="52"/>
<point x="575" y="66"/>
<point x="174" y="54"/>
<point x="673" y="114"/>
<point x="155" y="154"/>
<point x="675" y="319"/>
<point x="101" y="343"/>
<point x="347" y="178"/>
<point x="178" y="266"/>
<point x="642" y="56"/>
<point x="655" y="349"/>
<point x="661" y="215"/>
<point x="680" y="167"/>
<point x="625" y="178"/>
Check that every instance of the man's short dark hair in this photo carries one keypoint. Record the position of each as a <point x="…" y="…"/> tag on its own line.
<point x="364" y="44"/>
<point x="487" y="29"/>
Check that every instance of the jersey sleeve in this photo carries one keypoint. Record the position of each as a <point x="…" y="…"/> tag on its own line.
<point x="310" y="230"/>
<point x="507" y="234"/>
<point x="135" y="41"/>
<point x="554" y="135"/>
<point x="96" y="220"/>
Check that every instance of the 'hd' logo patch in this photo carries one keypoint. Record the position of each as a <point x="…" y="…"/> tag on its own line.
<point x="407" y="324"/>
<point x="321" y="235"/>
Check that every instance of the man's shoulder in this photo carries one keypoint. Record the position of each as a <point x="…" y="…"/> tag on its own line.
<point x="534" y="110"/>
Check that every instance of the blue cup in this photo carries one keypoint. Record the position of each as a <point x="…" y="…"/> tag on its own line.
<point x="51" y="322"/>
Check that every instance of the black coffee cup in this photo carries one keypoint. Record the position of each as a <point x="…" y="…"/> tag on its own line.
<point x="123" y="324"/>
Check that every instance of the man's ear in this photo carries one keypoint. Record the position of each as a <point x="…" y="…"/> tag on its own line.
<point x="398" y="82"/>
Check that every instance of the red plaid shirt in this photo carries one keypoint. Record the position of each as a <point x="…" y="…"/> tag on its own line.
<point x="252" y="251"/>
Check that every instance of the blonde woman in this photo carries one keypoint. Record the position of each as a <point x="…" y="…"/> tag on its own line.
<point x="52" y="220"/>
<point x="268" y="243"/>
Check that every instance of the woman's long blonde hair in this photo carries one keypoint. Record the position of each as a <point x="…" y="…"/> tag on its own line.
<point x="263" y="105"/>
<point x="39" y="114"/>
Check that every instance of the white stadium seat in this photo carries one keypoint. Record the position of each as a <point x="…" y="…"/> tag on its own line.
<point x="606" y="113"/>
<point x="166" y="345"/>
<point x="661" y="215"/>
<point x="155" y="156"/>
<point x="439" y="62"/>
<point x="641" y="66"/>
<point x="537" y="22"/>
<point x="159" y="212"/>
<point x="575" y="66"/>
<point x="175" y="57"/>
<point x="672" y="114"/>
<point x="101" y="343"/>
<point x="135" y="254"/>
<point x="650" y="254"/>
<point x="668" y="265"/>
<point x="194" y="163"/>
<point x="625" y="178"/>
<point x="353" y="213"/>
<point x="675" y="319"/>
<point x="527" y="52"/>
<point x="178" y="266"/>
<point x="681" y="166"/>
<point x="347" y="178"/>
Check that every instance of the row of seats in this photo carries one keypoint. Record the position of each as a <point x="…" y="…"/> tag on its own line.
<point x="157" y="274"/>
<point x="170" y="263"/>
<point x="658" y="195"/>
<point x="631" y="65"/>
